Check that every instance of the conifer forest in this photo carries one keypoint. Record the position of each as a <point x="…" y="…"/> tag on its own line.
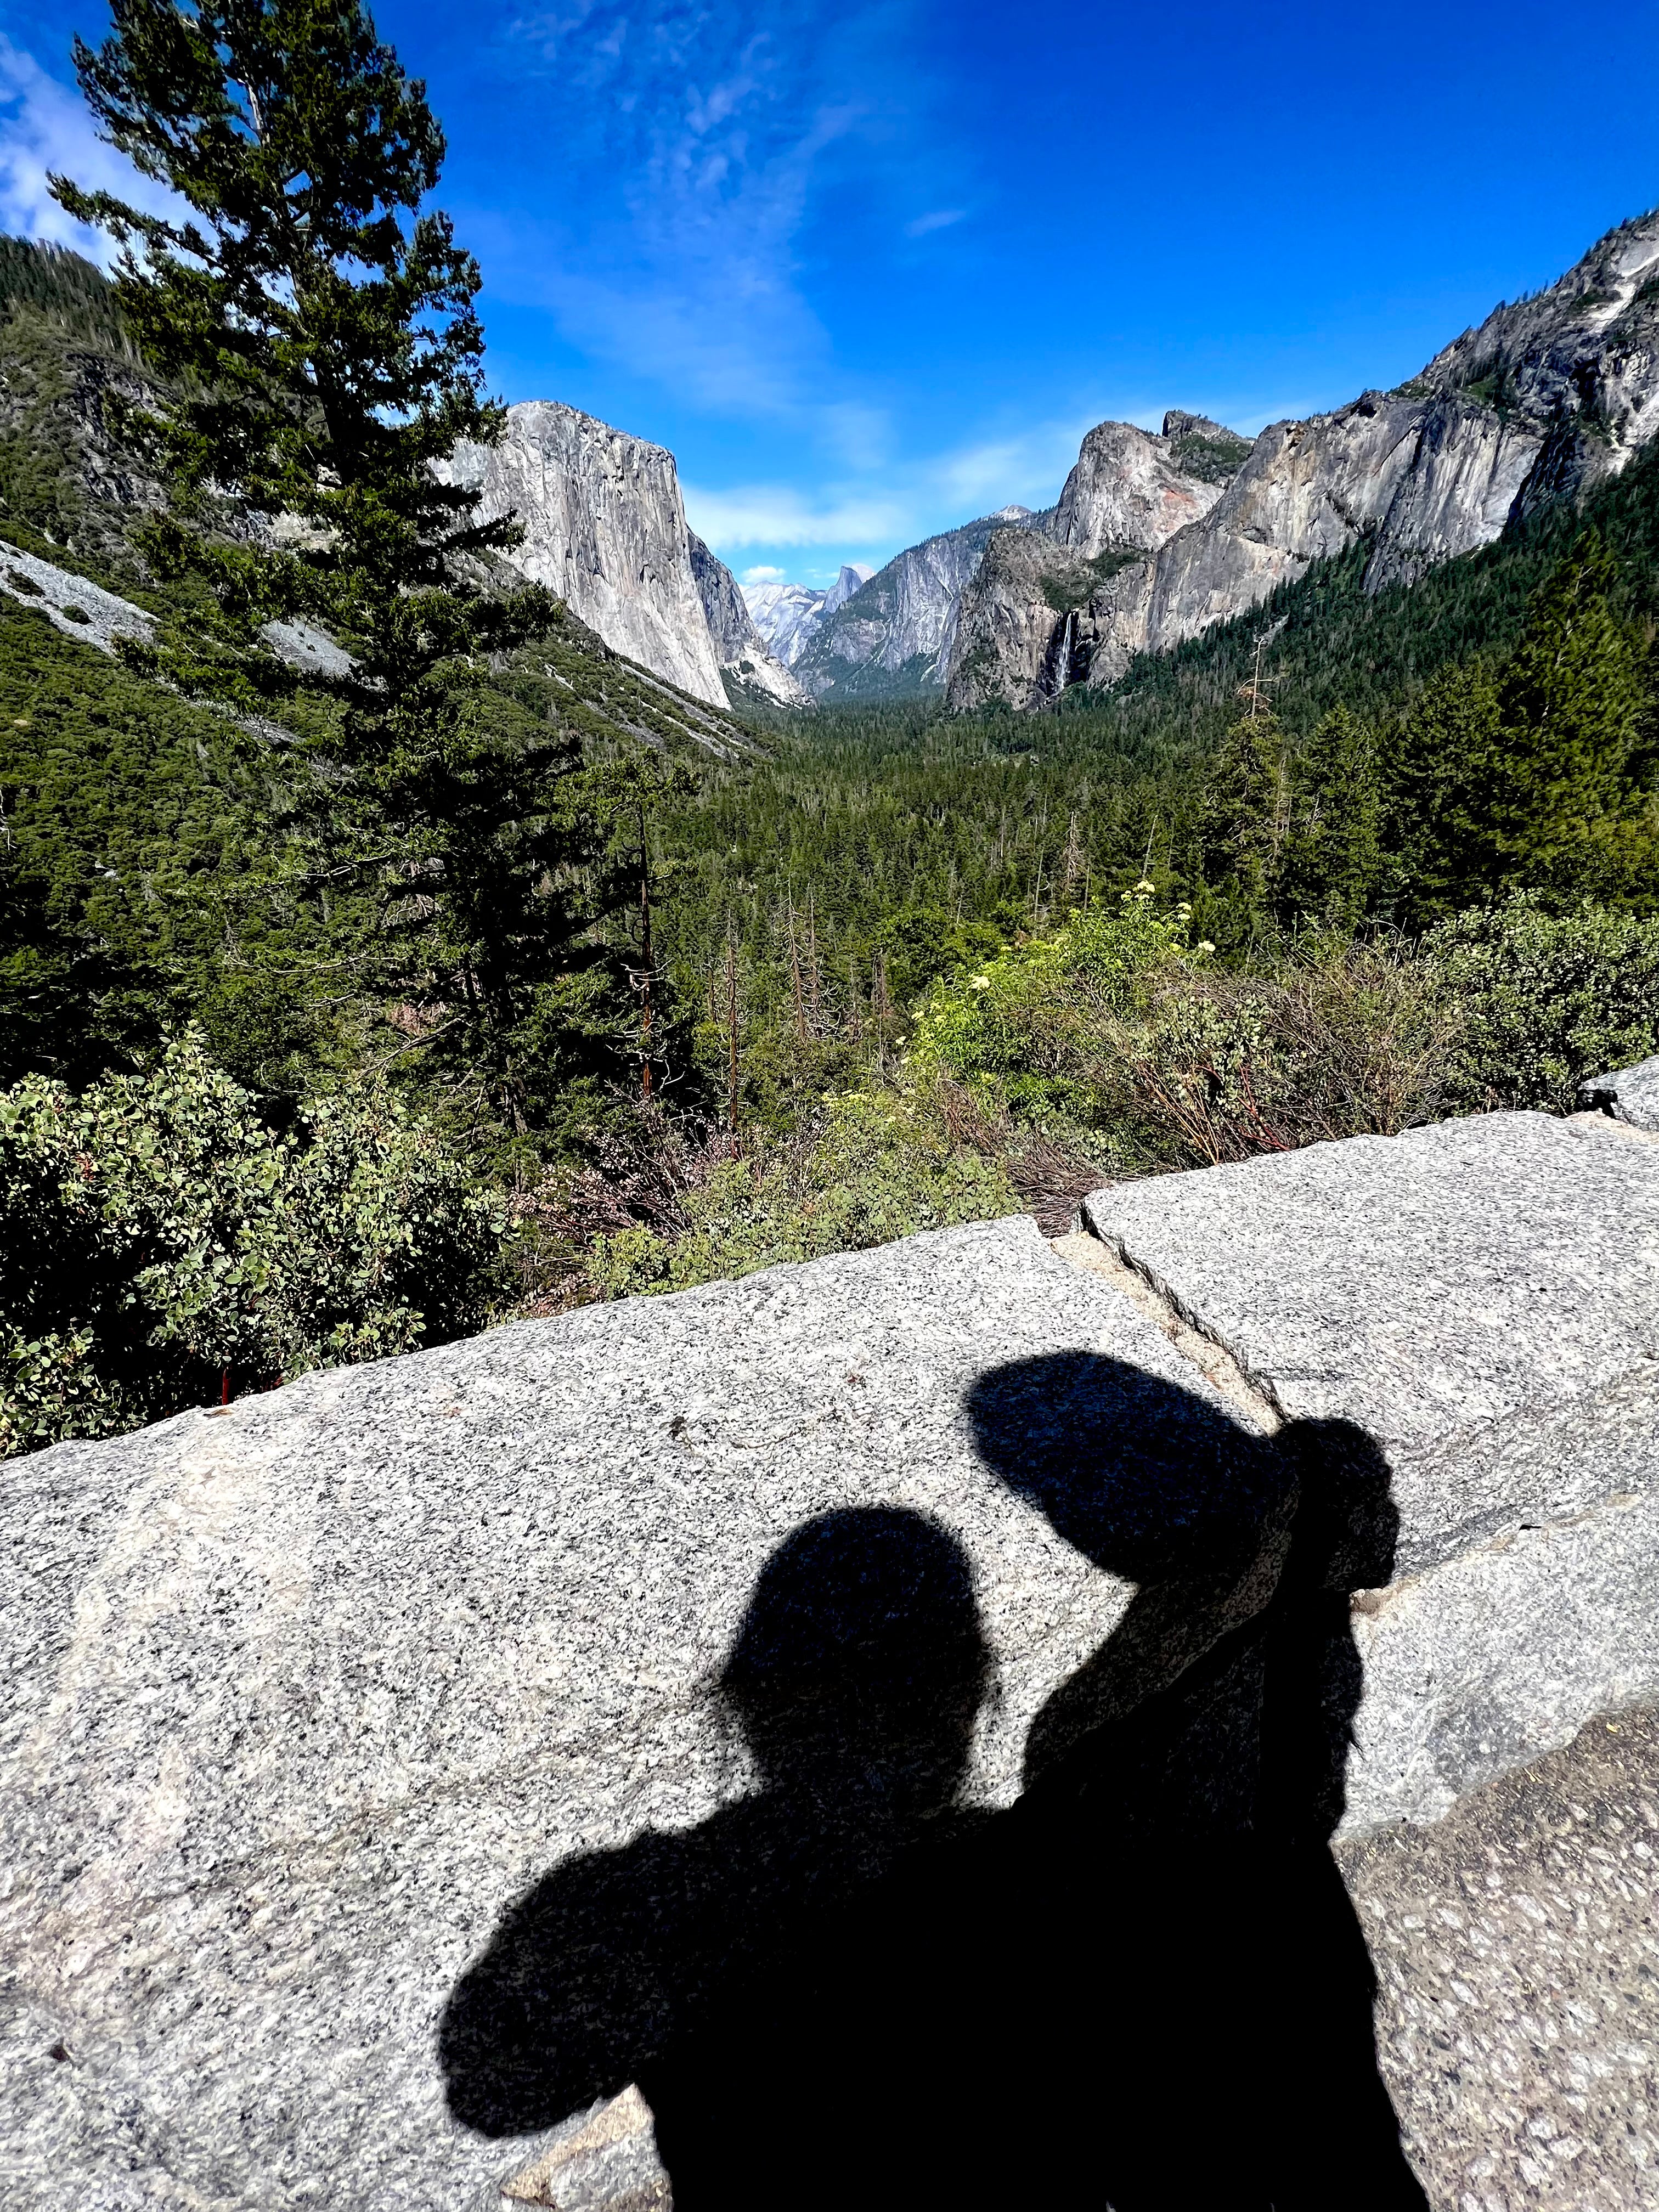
<point x="461" y="970"/>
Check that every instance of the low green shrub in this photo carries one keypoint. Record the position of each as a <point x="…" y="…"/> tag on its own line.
<point x="878" y="1165"/>
<point x="1116" y="1031"/>
<point x="156" y="1237"/>
<point x="1338" y="1040"/>
<point x="1028" y="1029"/>
<point x="1544" y="999"/>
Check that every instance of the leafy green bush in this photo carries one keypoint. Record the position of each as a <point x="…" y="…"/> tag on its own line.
<point x="1544" y="999"/>
<point x="880" y="1165"/>
<point x="156" y="1237"/>
<point x="1028" y="1027"/>
<point x="1114" y="1028"/>
<point x="1340" y="1040"/>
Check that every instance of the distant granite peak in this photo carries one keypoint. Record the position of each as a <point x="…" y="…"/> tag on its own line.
<point x="788" y="617"/>
<point x="891" y="637"/>
<point x="605" y="528"/>
<point x="1546" y="397"/>
<point x="851" y="578"/>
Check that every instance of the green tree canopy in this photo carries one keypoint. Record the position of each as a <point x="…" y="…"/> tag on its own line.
<point x="1330" y="863"/>
<point x="1573" y="703"/>
<point x="315" y="322"/>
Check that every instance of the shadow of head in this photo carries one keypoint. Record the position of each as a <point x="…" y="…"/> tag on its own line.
<point x="861" y="1664"/>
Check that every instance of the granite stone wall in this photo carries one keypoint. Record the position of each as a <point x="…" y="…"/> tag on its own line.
<point x="765" y="1745"/>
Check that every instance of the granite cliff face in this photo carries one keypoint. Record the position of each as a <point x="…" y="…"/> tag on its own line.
<point x="787" y="616"/>
<point x="749" y="668"/>
<point x="893" y="636"/>
<point x="1018" y="635"/>
<point x="605" y="528"/>
<point x="1546" y="396"/>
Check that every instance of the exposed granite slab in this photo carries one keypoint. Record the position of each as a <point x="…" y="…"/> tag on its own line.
<point x="390" y="1766"/>
<point x="1487" y="1660"/>
<point x="298" y="1699"/>
<point x="1517" y="1945"/>
<point x="1629" y="1094"/>
<point x="1481" y="1296"/>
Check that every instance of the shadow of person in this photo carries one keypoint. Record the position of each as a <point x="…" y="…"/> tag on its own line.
<point x="1192" y="1987"/>
<point x="731" y="1969"/>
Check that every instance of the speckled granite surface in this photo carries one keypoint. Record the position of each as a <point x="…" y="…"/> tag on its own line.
<point x="1481" y="1296"/>
<point x="1516" y="1944"/>
<point x="1629" y="1094"/>
<point x="624" y="1640"/>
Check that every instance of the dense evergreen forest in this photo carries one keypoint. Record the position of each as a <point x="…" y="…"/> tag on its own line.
<point x="898" y="842"/>
<point x="504" y="975"/>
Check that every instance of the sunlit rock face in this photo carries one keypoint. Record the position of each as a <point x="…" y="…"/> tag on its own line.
<point x="893" y="636"/>
<point x="605" y="528"/>
<point x="1023" y="628"/>
<point x="415" y="1777"/>
<point x="1128" y="493"/>
<point x="789" y="616"/>
<point x="1546" y="397"/>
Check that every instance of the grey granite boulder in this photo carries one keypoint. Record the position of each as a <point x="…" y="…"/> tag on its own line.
<point x="1515" y="1943"/>
<point x="1481" y="1298"/>
<point x="1629" y="1094"/>
<point x="649" y="1740"/>
<point x="299" y="1698"/>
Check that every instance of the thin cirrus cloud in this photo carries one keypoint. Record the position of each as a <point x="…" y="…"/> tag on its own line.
<point x="44" y="131"/>
<point x="780" y="514"/>
<point x="906" y="503"/>
<point x="695" y="144"/>
<point x="938" y="219"/>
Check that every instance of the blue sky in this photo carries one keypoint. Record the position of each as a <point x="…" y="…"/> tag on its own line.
<point x="872" y="269"/>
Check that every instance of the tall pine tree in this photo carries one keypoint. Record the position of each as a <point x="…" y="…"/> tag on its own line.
<point x="1329" y="865"/>
<point x="1243" y="819"/>
<point x="1573" y="704"/>
<point x="1445" y="757"/>
<point x="316" y="325"/>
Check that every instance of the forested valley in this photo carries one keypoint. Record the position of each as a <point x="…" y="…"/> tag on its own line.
<point x="350" y="1003"/>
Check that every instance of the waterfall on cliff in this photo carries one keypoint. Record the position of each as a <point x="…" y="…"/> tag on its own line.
<point x="1063" y="658"/>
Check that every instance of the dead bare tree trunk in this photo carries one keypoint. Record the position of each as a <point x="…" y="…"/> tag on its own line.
<point x="1072" y="865"/>
<point x="645" y="962"/>
<point x="795" y="979"/>
<point x="813" y="957"/>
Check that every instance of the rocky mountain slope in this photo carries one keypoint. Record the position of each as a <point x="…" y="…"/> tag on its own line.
<point x="604" y="528"/>
<point x="749" y="668"/>
<point x="1546" y="396"/>
<point x="893" y="635"/>
<point x="788" y="615"/>
<point x="1015" y="634"/>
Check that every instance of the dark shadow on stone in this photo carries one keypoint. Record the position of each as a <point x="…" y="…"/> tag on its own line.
<point x="1143" y="1987"/>
<point x="1180" y="1804"/>
<point x="700" y="1964"/>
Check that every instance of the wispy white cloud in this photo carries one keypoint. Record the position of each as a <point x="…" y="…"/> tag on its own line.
<point x="698" y="141"/>
<point x="1026" y="467"/>
<point x="763" y="575"/>
<point x="907" y="502"/>
<point x="911" y="499"/>
<point x="779" y="514"/>
<point x="938" y="219"/>
<point x="45" y="130"/>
